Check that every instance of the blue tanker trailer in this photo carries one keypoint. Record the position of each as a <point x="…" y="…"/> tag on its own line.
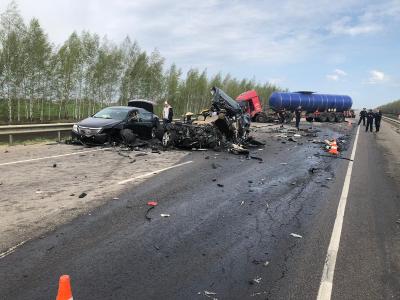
<point x="318" y="107"/>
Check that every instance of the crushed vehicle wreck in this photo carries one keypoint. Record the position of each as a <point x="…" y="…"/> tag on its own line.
<point x="227" y="126"/>
<point x="118" y="124"/>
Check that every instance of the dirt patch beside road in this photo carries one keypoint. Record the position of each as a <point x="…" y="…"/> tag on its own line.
<point x="38" y="195"/>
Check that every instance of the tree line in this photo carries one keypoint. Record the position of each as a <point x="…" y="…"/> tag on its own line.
<point x="42" y="82"/>
<point x="392" y="108"/>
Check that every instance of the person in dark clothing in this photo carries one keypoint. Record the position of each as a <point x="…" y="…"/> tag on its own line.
<point x="370" y="120"/>
<point x="378" y="118"/>
<point x="298" y="116"/>
<point x="363" y="115"/>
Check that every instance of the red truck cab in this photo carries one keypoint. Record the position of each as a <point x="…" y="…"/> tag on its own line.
<point x="251" y="103"/>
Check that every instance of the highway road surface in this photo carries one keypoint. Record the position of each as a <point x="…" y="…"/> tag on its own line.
<point x="292" y="226"/>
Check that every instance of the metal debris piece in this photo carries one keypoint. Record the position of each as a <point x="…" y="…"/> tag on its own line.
<point x="83" y="195"/>
<point x="256" y="158"/>
<point x="220" y="184"/>
<point x="140" y="154"/>
<point x="257" y="294"/>
<point x="283" y="163"/>
<point x="296" y="235"/>
<point x="266" y="264"/>
<point x="165" y="215"/>
<point x="257" y="280"/>
<point x="54" y="165"/>
<point x="210" y="295"/>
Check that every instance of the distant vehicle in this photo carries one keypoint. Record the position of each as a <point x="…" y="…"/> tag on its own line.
<point x="118" y="124"/>
<point x="317" y="107"/>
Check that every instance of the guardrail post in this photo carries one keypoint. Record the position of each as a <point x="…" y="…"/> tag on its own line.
<point x="10" y="139"/>
<point x="59" y="135"/>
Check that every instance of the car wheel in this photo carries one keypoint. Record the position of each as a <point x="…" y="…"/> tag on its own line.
<point x="128" y="137"/>
<point x="168" y="139"/>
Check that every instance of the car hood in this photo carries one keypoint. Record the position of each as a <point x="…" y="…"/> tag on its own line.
<point x="223" y="101"/>
<point x="98" y="122"/>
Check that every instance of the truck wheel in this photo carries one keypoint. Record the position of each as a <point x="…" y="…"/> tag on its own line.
<point x="261" y="119"/>
<point x="323" y="118"/>
<point x="331" y="118"/>
<point x="128" y="137"/>
<point x="288" y="118"/>
<point x="339" y="118"/>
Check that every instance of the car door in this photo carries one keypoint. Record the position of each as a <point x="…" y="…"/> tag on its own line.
<point x="133" y="121"/>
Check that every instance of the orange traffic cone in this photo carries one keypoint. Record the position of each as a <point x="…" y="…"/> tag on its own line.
<point x="64" y="288"/>
<point x="333" y="149"/>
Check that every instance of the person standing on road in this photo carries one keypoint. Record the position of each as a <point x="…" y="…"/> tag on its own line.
<point x="298" y="116"/>
<point x="378" y="118"/>
<point x="168" y="113"/>
<point x="370" y="120"/>
<point x="363" y="115"/>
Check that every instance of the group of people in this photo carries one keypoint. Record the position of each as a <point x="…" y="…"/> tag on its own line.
<point x="371" y="117"/>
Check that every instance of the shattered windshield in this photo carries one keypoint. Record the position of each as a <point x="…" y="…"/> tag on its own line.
<point x="117" y="113"/>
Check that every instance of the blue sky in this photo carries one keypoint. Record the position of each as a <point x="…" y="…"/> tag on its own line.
<point x="345" y="47"/>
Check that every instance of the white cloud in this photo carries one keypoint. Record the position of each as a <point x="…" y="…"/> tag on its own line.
<point x="336" y="75"/>
<point x="340" y="72"/>
<point x="344" y="26"/>
<point x="333" y="77"/>
<point x="376" y="76"/>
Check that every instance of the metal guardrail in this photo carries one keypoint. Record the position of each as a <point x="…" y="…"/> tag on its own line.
<point x="12" y="130"/>
<point x="391" y="120"/>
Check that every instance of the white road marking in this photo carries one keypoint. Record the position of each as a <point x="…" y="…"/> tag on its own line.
<point x="154" y="172"/>
<point x="11" y="250"/>
<point x="325" y="288"/>
<point x="47" y="157"/>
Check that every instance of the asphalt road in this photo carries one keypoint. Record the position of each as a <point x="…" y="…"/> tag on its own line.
<point x="234" y="239"/>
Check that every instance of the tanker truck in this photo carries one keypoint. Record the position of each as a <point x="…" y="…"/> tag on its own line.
<point x="317" y="107"/>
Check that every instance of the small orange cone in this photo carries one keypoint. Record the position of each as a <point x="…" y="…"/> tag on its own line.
<point x="64" y="288"/>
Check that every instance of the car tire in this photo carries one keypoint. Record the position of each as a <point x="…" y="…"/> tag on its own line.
<point x="168" y="139"/>
<point x="128" y="137"/>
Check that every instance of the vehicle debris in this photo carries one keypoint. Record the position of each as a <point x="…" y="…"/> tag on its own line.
<point x="266" y="264"/>
<point x="227" y="129"/>
<point x="256" y="158"/>
<point x="54" y="165"/>
<point x="220" y="184"/>
<point x="83" y="195"/>
<point x="165" y="215"/>
<point x="210" y="295"/>
<point x="258" y="294"/>
<point x="296" y="235"/>
<point x="256" y="280"/>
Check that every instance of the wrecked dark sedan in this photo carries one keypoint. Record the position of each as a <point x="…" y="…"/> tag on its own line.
<point x="116" y="124"/>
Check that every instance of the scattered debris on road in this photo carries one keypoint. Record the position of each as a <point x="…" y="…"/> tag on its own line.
<point x="83" y="195"/>
<point x="165" y="215"/>
<point x="296" y="235"/>
<point x="211" y="295"/>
